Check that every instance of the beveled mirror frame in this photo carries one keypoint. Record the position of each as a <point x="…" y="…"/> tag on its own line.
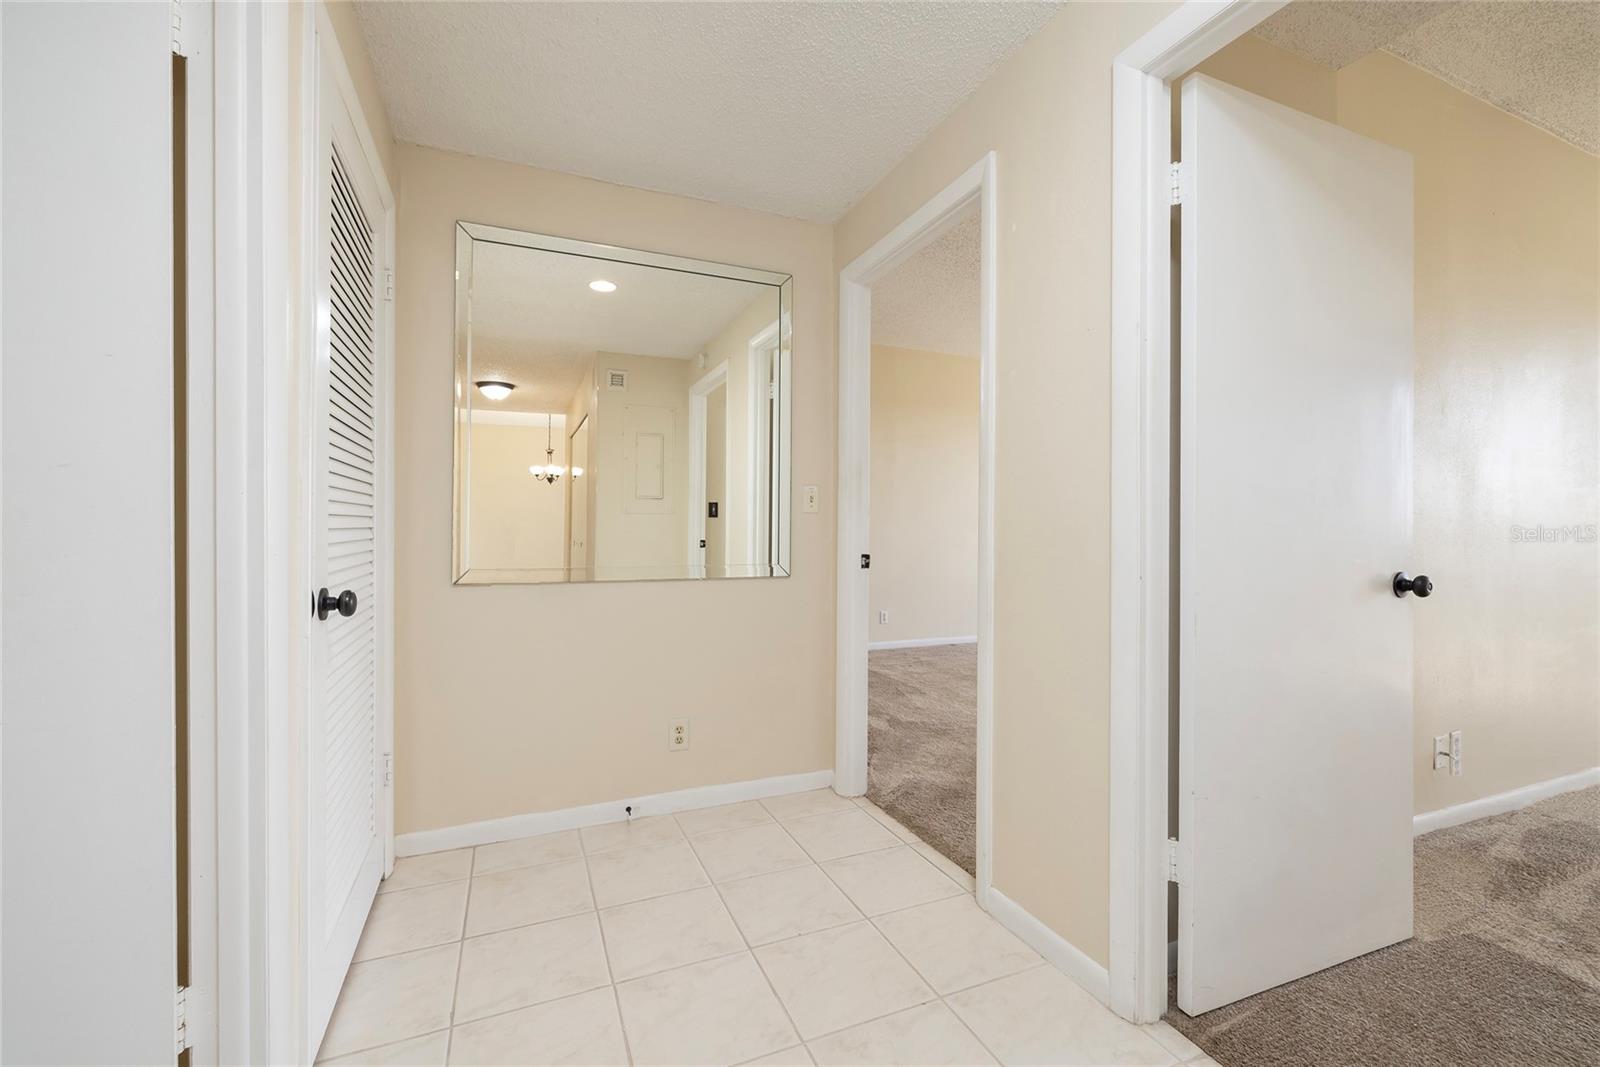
<point x="469" y="234"/>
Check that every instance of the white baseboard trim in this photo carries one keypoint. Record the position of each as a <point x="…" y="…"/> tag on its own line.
<point x="1501" y="803"/>
<point x="1067" y="957"/>
<point x="512" y="827"/>
<point x="921" y="642"/>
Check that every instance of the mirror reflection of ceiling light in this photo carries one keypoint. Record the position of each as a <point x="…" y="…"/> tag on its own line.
<point x="550" y="470"/>
<point x="600" y="285"/>
<point x="494" y="390"/>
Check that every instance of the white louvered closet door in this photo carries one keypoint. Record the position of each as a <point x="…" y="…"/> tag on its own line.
<point x="346" y="807"/>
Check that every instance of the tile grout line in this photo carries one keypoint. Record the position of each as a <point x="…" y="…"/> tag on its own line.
<point x="605" y="952"/>
<point x="750" y="949"/>
<point x="461" y="952"/>
<point x="717" y="888"/>
<point x="806" y="1041"/>
<point x="397" y="1041"/>
<point x="938" y="996"/>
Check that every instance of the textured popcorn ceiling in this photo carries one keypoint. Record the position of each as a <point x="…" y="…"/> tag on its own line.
<point x="1538" y="59"/>
<point x="930" y="302"/>
<point x="796" y="108"/>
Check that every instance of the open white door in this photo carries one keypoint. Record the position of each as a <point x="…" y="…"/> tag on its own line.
<point x="345" y="807"/>
<point x="89" y="912"/>
<point x="1295" y="654"/>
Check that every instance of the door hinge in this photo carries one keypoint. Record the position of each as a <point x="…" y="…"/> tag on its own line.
<point x="180" y="1018"/>
<point x="1180" y="182"/>
<point x="1172" y="860"/>
<point x="388" y="285"/>
<point x="179" y="41"/>
<point x="388" y="768"/>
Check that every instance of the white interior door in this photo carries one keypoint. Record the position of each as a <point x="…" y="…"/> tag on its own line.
<point x="88" y="916"/>
<point x="1295" y="655"/>
<point x="345" y="812"/>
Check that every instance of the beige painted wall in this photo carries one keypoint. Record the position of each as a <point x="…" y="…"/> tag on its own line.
<point x="352" y="45"/>
<point x="517" y="523"/>
<point x="924" y="506"/>
<point x="513" y="699"/>
<point x="1046" y="112"/>
<point x="630" y="537"/>
<point x="1507" y="425"/>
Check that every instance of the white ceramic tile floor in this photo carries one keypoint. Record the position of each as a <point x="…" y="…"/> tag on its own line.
<point x="802" y="929"/>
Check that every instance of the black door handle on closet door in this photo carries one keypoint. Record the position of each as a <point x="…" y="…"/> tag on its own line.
<point x="327" y="603"/>
<point x="1420" y="586"/>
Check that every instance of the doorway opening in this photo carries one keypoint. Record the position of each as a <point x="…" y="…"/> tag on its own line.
<point x="1402" y="166"/>
<point x="922" y="654"/>
<point x="922" y="422"/>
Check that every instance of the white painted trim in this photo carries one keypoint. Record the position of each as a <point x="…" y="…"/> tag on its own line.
<point x="921" y="642"/>
<point x="855" y="416"/>
<point x="1061" y="953"/>
<point x="532" y="824"/>
<point x="702" y="388"/>
<point x="759" y="353"/>
<point x="258" y="1014"/>
<point x="1500" y="803"/>
<point x="203" y="450"/>
<point x="591" y="250"/>
<point x="1141" y="129"/>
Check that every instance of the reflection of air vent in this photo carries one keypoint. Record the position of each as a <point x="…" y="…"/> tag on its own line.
<point x="616" y="379"/>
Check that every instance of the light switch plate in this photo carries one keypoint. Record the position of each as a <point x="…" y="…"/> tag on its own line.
<point x="810" y="497"/>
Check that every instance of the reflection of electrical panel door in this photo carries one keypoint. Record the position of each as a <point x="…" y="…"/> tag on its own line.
<point x="648" y="454"/>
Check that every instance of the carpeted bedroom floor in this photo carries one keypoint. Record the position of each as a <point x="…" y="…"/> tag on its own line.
<point x="1504" y="969"/>
<point x="922" y="738"/>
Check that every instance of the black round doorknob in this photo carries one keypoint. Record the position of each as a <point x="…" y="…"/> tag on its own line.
<point x="327" y="603"/>
<point x="1420" y="586"/>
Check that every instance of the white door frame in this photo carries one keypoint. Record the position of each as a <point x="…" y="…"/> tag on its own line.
<point x="704" y="387"/>
<point x="247" y="397"/>
<point x="242" y="932"/>
<point x="1141" y="390"/>
<point x="924" y="225"/>
<point x="763" y="348"/>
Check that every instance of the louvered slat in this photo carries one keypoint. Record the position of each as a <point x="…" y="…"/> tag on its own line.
<point x="349" y="684"/>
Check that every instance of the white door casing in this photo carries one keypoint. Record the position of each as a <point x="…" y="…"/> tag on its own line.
<point x="346" y="803"/>
<point x="702" y="388"/>
<point x="1295" y="663"/>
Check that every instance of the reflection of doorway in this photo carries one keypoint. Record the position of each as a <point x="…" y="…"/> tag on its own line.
<point x="768" y="488"/>
<point x="578" y="557"/>
<point x="708" y="473"/>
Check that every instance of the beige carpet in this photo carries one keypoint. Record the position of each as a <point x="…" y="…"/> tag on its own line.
<point x="1504" y="968"/>
<point x="922" y="738"/>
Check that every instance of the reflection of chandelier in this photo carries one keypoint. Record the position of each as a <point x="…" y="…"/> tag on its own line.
<point x="550" y="471"/>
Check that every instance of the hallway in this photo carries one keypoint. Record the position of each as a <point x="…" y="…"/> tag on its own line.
<point x="798" y="929"/>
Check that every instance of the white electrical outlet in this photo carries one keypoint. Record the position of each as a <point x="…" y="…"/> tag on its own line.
<point x="883" y="618"/>
<point x="1441" y="751"/>
<point x="1455" y="751"/>
<point x="678" y="736"/>
<point x="810" y="497"/>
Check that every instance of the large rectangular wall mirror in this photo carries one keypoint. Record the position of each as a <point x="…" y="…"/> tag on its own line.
<point x="620" y="414"/>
